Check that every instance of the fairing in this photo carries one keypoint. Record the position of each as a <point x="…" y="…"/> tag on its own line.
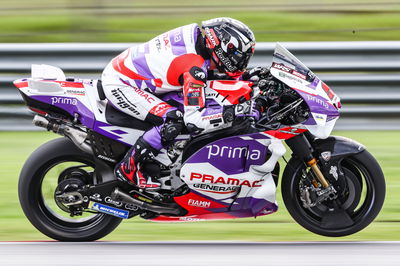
<point x="231" y="178"/>
<point x="321" y="100"/>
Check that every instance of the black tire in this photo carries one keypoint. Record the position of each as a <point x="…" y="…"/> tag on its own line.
<point x="362" y="173"/>
<point x="31" y="198"/>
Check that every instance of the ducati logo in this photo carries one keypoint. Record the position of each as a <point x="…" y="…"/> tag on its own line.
<point x="326" y="155"/>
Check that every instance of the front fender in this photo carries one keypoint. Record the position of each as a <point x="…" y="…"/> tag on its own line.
<point x="336" y="146"/>
<point x="331" y="152"/>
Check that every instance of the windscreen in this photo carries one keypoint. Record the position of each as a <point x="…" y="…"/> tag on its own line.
<point x="293" y="69"/>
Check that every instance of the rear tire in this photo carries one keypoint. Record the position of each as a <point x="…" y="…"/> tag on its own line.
<point x="364" y="200"/>
<point x="30" y="190"/>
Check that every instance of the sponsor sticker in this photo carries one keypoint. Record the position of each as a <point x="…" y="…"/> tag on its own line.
<point x="76" y="92"/>
<point x="298" y="74"/>
<point x="233" y="152"/>
<point x="282" y="67"/>
<point x="199" y="203"/>
<point x="316" y="100"/>
<point x="123" y="102"/>
<point x="190" y="219"/>
<point x="291" y="77"/>
<point x="205" y="178"/>
<point x="109" y="210"/>
<point x="62" y="100"/>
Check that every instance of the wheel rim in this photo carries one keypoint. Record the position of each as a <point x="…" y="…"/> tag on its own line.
<point x="43" y="193"/>
<point x="342" y="213"/>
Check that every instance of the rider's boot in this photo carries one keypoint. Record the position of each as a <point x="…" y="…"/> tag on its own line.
<point x="130" y="168"/>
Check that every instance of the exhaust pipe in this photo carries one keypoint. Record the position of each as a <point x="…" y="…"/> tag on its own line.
<point x="77" y="136"/>
<point x="173" y="209"/>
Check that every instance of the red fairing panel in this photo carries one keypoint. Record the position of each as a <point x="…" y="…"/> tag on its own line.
<point x="286" y="132"/>
<point x="199" y="208"/>
<point x="196" y="204"/>
<point x="22" y="84"/>
<point x="233" y="90"/>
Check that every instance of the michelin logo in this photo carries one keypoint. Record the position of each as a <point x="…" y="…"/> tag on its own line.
<point x="110" y="210"/>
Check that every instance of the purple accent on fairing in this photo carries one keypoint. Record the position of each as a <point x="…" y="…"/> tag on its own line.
<point x="71" y="105"/>
<point x="248" y="207"/>
<point x="177" y="42"/>
<point x="257" y="136"/>
<point x="251" y="207"/>
<point x="318" y="104"/>
<point x="242" y="207"/>
<point x="231" y="155"/>
<point x="310" y="121"/>
<point x="314" y="84"/>
<point x="219" y="201"/>
<point x="97" y="127"/>
<point x="119" y="132"/>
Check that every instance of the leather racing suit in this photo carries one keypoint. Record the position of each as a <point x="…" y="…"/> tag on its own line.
<point x="172" y="61"/>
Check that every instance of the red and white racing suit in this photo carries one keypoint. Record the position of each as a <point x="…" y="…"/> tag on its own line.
<point x="169" y="62"/>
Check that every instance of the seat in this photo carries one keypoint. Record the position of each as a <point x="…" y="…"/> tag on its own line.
<point x="118" y="118"/>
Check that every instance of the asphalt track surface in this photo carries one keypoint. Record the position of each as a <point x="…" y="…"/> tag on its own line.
<point x="200" y="253"/>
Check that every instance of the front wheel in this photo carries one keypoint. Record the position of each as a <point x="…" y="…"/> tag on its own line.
<point x="355" y="209"/>
<point x="51" y="164"/>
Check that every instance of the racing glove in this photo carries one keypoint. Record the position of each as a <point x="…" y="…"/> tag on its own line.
<point x="239" y="112"/>
<point x="255" y="74"/>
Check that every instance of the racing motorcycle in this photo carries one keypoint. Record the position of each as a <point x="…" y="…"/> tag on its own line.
<point x="331" y="185"/>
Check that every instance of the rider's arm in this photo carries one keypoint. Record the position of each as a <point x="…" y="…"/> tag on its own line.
<point x="200" y="116"/>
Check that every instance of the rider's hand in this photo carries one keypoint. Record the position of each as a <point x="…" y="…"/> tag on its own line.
<point x="265" y="85"/>
<point x="255" y="74"/>
<point x="247" y="109"/>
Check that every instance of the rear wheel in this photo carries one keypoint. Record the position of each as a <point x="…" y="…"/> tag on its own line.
<point x="56" y="165"/>
<point x="355" y="208"/>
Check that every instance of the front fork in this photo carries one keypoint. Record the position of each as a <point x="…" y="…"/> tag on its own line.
<point x="302" y="149"/>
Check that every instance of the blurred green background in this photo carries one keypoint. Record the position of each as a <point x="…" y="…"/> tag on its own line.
<point x="25" y="21"/>
<point x="136" y="21"/>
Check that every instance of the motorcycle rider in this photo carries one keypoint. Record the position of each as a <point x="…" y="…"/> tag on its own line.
<point x="181" y="59"/>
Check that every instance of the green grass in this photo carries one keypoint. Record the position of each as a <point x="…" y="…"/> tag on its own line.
<point x="137" y="21"/>
<point x="16" y="147"/>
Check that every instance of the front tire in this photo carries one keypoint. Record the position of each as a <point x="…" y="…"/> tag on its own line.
<point x="363" y="201"/>
<point x="41" y="163"/>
